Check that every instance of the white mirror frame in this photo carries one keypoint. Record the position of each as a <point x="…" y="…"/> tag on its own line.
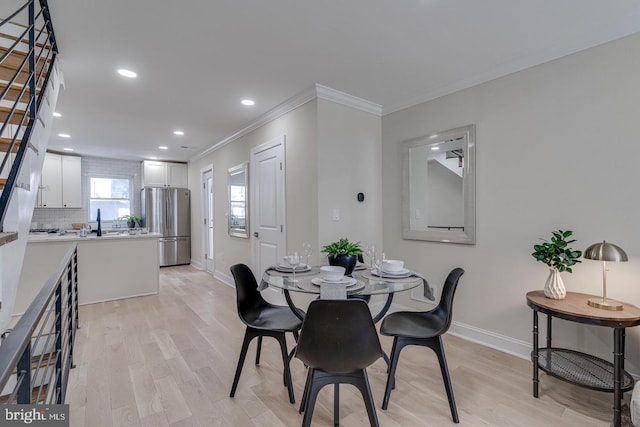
<point x="235" y="230"/>
<point x="468" y="234"/>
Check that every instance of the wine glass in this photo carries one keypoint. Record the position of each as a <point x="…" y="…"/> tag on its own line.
<point x="293" y="259"/>
<point x="370" y="252"/>
<point x="377" y="260"/>
<point x="307" y="250"/>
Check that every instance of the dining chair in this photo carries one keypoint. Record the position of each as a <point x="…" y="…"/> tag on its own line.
<point x="338" y="342"/>
<point x="425" y="329"/>
<point x="263" y="319"/>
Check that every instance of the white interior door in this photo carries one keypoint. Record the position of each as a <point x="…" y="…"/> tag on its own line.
<point x="267" y="204"/>
<point x="207" y="215"/>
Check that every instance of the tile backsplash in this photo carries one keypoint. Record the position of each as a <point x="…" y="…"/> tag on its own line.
<point x="63" y="218"/>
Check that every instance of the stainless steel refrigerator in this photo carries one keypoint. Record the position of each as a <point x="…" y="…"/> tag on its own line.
<point x="167" y="211"/>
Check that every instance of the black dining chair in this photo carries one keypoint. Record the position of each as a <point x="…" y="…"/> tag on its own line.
<point x="338" y="342"/>
<point x="263" y="319"/>
<point x="425" y="329"/>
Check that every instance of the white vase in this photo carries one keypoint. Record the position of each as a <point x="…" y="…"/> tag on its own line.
<point x="554" y="287"/>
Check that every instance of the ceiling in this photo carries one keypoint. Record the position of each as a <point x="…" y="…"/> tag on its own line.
<point x="197" y="59"/>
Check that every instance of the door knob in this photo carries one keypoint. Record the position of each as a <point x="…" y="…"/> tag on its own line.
<point x="255" y="234"/>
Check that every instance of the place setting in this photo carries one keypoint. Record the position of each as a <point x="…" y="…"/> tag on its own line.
<point x="292" y="262"/>
<point x="391" y="268"/>
<point x="331" y="280"/>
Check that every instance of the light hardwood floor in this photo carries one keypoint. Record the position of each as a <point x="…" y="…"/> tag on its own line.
<point x="169" y="359"/>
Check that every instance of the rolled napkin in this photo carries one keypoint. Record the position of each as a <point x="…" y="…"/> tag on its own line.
<point x="264" y="285"/>
<point x="428" y="290"/>
<point x="338" y="291"/>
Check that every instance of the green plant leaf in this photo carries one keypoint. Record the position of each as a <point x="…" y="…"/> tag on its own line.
<point x="342" y="247"/>
<point x="557" y="253"/>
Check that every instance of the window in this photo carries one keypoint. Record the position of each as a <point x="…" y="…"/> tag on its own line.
<point x="111" y="195"/>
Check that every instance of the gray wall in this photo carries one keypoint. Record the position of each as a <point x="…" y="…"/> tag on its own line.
<point x="557" y="147"/>
<point x="299" y="128"/>
<point x="332" y="152"/>
<point x="348" y="164"/>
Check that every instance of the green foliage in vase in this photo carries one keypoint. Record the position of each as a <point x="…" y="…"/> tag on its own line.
<point x="343" y="247"/>
<point x="557" y="253"/>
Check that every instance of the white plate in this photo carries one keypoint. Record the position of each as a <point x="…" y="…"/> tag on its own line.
<point x="307" y="286"/>
<point x="302" y="268"/>
<point x="397" y="274"/>
<point x="348" y="281"/>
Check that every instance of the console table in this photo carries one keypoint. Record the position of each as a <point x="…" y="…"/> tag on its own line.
<point x="576" y="367"/>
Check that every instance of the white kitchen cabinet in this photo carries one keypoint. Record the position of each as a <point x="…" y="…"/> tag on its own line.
<point x="61" y="182"/>
<point x="71" y="182"/>
<point x="164" y="174"/>
<point x="50" y="190"/>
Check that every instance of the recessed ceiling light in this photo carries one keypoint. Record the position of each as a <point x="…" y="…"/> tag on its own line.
<point x="435" y="135"/>
<point x="435" y="148"/>
<point x="64" y="135"/>
<point x="67" y="149"/>
<point x="127" y="73"/>
<point x="163" y="147"/>
<point x="248" y="102"/>
<point x="178" y="132"/>
<point x="56" y="114"/>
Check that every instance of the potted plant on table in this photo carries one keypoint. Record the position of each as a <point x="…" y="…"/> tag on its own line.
<point x="132" y="221"/>
<point x="343" y="253"/>
<point x="557" y="254"/>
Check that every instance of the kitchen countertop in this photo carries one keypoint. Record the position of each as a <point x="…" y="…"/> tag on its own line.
<point x="106" y="235"/>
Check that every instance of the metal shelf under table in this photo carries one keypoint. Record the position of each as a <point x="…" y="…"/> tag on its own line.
<point x="581" y="369"/>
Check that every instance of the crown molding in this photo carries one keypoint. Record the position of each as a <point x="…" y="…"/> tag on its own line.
<point x="276" y="112"/>
<point x="324" y="92"/>
<point x="316" y="91"/>
<point x="524" y="62"/>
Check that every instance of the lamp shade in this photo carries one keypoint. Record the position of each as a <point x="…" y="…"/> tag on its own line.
<point x="605" y="252"/>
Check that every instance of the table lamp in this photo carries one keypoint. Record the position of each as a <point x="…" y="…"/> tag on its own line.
<point x="605" y="252"/>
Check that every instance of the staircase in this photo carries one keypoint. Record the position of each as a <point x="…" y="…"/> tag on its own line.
<point x="29" y="86"/>
<point x="36" y="356"/>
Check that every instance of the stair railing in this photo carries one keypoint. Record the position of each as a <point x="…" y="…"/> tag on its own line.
<point x="36" y="356"/>
<point x="21" y="93"/>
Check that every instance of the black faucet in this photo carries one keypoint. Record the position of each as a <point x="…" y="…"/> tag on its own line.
<point x="99" y="224"/>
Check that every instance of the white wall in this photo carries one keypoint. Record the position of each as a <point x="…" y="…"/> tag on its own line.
<point x="444" y="187"/>
<point x="63" y="218"/>
<point x="557" y="147"/>
<point x="20" y="207"/>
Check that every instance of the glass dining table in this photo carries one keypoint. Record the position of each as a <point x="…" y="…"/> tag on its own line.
<point x="363" y="283"/>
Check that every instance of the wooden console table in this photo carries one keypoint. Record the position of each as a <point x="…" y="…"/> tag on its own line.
<point x="576" y="367"/>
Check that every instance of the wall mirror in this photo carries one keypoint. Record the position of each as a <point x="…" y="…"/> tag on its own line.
<point x="438" y="187"/>
<point x="238" y="201"/>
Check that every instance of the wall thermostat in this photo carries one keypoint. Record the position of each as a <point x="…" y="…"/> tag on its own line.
<point x="361" y="197"/>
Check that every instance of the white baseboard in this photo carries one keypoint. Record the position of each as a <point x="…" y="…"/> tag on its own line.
<point x="224" y="278"/>
<point x="490" y="339"/>
<point x="197" y="264"/>
<point x="512" y="346"/>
